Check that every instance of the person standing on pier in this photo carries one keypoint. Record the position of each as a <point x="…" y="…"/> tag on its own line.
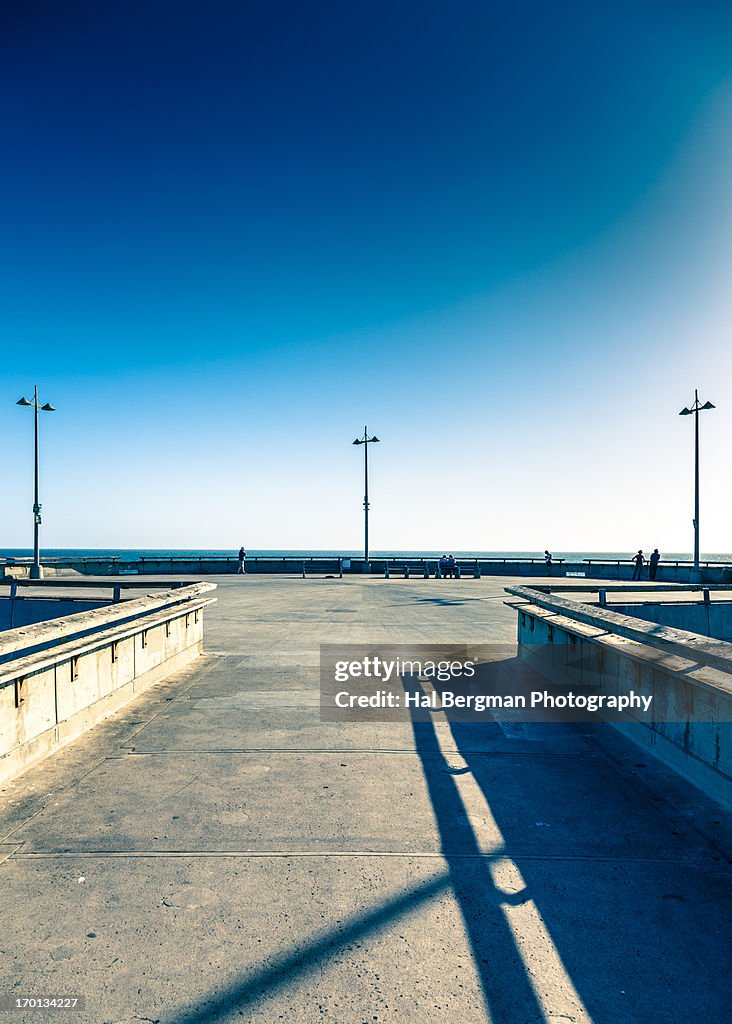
<point x="653" y="564"/>
<point x="242" y="556"/>
<point x="547" y="557"/>
<point x="639" y="563"/>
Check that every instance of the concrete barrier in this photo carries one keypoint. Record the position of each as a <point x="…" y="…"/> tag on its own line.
<point x="20" y="611"/>
<point x="58" y="678"/>
<point x="709" y="618"/>
<point x="668" y="572"/>
<point x="592" y="649"/>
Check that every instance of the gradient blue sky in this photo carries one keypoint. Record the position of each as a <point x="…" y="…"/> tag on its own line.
<point x="499" y="234"/>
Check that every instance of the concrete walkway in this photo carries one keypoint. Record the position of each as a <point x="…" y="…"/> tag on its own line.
<point x="215" y="853"/>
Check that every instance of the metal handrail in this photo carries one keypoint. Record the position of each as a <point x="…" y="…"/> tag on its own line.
<point x="676" y="562"/>
<point x="66" y="559"/>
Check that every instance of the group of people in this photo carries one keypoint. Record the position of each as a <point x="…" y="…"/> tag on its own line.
<point x="639" y="561"/>
<point x="447" y="566"/>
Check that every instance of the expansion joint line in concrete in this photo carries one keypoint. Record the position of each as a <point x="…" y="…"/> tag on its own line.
<point x="100" y="761"/>
<point x="199" y="674"/>
<point x="346" y="751"/>
<point x="7" y="854"/>
<point x="497" y="855"/>
<point x="54" y="793"/>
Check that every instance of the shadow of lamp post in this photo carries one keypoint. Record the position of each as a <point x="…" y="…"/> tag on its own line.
<point x="36" y="573"/>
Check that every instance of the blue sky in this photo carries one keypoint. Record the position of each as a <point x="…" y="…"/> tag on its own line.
<point x="233" y="234"/>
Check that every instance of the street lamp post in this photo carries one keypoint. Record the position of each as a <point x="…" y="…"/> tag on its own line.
<point x="366" y="441"/>
<point x="696" y="408"/>
<point x="36" y="572"/>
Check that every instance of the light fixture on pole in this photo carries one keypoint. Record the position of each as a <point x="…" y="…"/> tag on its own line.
<point x="36" y="573"/>
<point x="695" y="409"/>
<point x="366" y="441"/>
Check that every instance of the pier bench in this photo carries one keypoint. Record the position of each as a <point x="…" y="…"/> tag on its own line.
<point x="470" y="567"/>
<point x="407" y="568"/>
<point x="462" y="567"/>
<point x="322" y="567"/>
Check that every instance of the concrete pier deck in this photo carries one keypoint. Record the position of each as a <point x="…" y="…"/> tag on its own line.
<point x="215" y="853"/>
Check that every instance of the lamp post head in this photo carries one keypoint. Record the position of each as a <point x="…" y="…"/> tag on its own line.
<point x="358" y="441"/>
<point x="48" y="407"/>
<point x="697" y="407"/>
<point x="23" y="401"/>
<point x="374" y="438"/>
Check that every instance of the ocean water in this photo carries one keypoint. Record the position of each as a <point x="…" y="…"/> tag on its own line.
<point x="136" y="553"/>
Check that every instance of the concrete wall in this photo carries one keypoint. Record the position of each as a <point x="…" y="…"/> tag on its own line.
<point x="22" y="611"/>
<point x="59" y="690"/>
<point x="712" y="619"/>
<point x="593" y="650"/>
<point x="255" y="565"/>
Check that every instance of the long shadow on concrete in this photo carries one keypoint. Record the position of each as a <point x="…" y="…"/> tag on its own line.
<point x="624" y="892"/>
<point x="297" y="963"/>
<point x="509" y="994"/>
<point x="614" y="894"/>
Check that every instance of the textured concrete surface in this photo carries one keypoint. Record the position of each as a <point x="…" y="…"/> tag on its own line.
<point x="215" y="853"/>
